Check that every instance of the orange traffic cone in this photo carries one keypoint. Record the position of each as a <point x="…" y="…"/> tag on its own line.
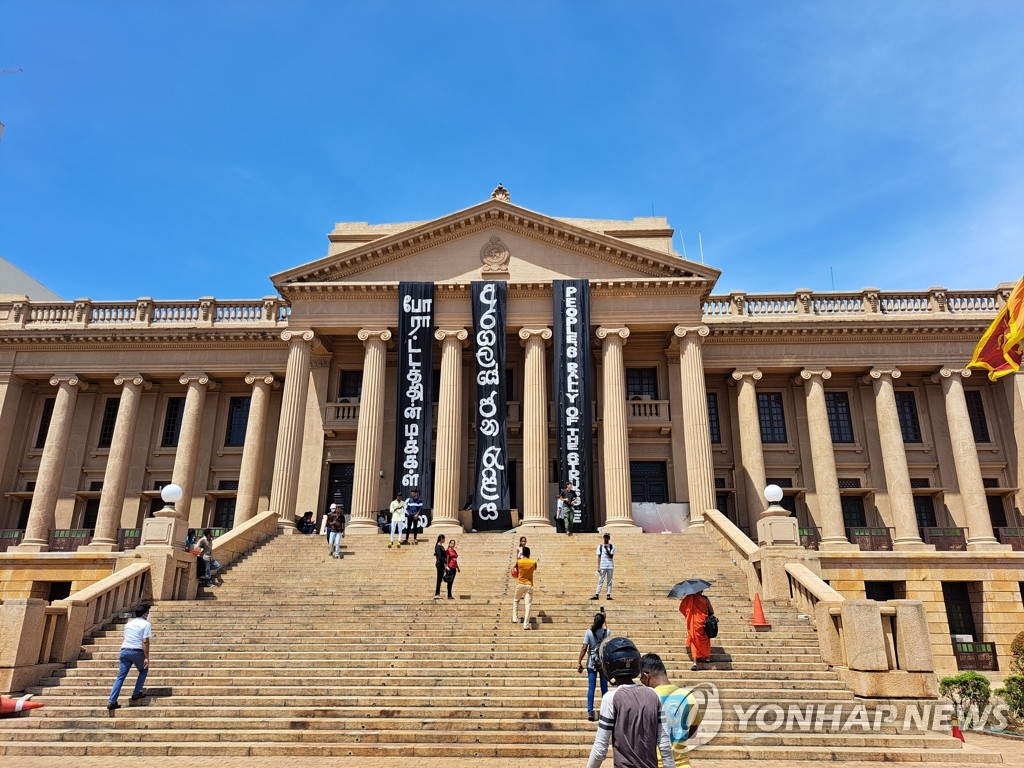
<point x="759" y="621"/>
<point x="14" y="706"/>
<point x="957" y="733"/>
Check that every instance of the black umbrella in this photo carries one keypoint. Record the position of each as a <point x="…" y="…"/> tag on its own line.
<point x="689" y="587"/>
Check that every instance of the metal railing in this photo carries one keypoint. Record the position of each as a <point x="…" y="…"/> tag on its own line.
<point x="810" y="538"/>
<point x="69" y="539"/>
<point x="10" y="537"/>
<point x="980" y="657"/>
<point x="1012" y="536"/>
<point x="945" y="539"/>
<point x="870" y="538"/>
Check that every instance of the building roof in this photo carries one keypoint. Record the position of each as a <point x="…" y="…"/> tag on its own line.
<point x="15" y="282"/>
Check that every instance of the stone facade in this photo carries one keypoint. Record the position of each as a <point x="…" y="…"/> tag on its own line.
<point x="858" y="404"/>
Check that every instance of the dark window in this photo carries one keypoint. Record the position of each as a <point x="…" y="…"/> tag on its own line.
<point x="26" y="507"/>
<point x="773" y="419"/>
<point x="157" y="503"/>
<point x="990" y="482"/>
<point x="436" y="394"/>
<point x="351" y="385"/>
<point x="906" y="407"/>
<point x="238" y="418"/>
<point x="996" y="511"/>
<point x="59" y="590"/>
<point x="44" y="422"/>
<point x="224" y="513"/>
<point x="880" y="590"/>
<point x="920" y="482"/>
<point x="837" y="404"/>
<point x="976" y="410"/>
<point x="107" y="425"/>
<point x="92" y="511"/>
<point x="642" y="383"/>
<point x="853" y="511"/>
<point x="172" y="422"/>
<point x="849" y="482"/>
<point x="722" y="503"/>
<point x="649" y="481"/>
<point x="958" y="608"/>
<point x="716" y="429"/>
<point x="720" y="482"/>
<point x="227" y="485"/>
<point x="924" y="509"/>
<point x="510" y="387"/>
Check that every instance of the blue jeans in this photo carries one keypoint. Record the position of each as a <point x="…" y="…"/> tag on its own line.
<point x="129" y="658"/>
<point x="591" y="684"/>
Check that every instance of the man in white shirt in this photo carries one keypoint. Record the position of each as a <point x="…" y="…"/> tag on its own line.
<point x="134" y="653"/>
<point x="397" y="521"/>
<point x="605" y="566"/>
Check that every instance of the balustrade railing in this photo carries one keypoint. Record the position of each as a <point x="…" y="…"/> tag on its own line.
<point x="10" y="537"/>
<point x="810" y="538"/>
<point x="945" y="539"/>
<point x="978" y="657"/>
<point x="648" y="410"/>
<point x="206" y="312"/>
<point x="1012" y="536"/>
<point x="871" y="539"/>
<point x="69" y="539"/>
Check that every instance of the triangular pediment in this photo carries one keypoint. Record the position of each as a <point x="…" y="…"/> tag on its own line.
<point x="496" y="240"/>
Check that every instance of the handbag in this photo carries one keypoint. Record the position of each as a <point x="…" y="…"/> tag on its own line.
<point x="515" y="571"/>
<point x="449" y="576"/>
<point x="711" y="626"/>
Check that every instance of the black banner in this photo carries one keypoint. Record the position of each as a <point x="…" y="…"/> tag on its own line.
<point x="573" y="393"/>
<point x="415" y="390"/>
<point x="491" y="497"/>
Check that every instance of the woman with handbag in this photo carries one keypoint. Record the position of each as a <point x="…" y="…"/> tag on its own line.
<point x="697" y="608"/>
<point x="453" y="567"/>
<point x="440" y="563"/>
<point x="592" y="640"/>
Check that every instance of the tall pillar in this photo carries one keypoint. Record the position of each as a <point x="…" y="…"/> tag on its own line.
<point x="255" y="439"/>
<point x="449" y="432"/>
<point x="700" y="471"/>
<point x="614" y="430"/>
<point x="965" y="457"/>
<point x="369" y="436"/>
<point x="535" y="430"/>
<point x="826" y="480"/>
<point x="894" y="460"/>
<point x="12" y="389"/>
<point x="119" y="459"/>
<point x="51" y="466"/>
<point x="186" y="455"/>
<point x="751" y="450"/>
<point x="285" y="485"/>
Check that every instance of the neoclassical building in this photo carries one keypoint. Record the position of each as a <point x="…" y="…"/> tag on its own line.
<point x="487" y="356"/>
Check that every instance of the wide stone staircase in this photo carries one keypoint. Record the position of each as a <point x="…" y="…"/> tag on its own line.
<point x="299" y="654"/>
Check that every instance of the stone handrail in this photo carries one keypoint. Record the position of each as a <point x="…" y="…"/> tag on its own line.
<point x="868" y="302"/>
<point x="245" y="537"/>
<point x="808" y="590"/>
<point x="37" y="638"/>
<point x="207" y="312"/>
<point x="734" y="541"/>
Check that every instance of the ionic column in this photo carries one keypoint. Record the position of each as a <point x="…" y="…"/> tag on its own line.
<point x="186" y="455"/>
<point x="700" y="474"/>
<point x="285" y="485"/>
<point x="965" y="457"/>
<point x="751" y="450"/>
<point x="615" y="431"/>
<point x="449" y="432"/>
<point x="823" y="459"/>
<point x="115" y="477"/>
<point x="535" y="429"/>
<point x="370" y="432"/>
<point x="51" y="466"/>
<point x="255" y="439"/>
<point x="894" y="460"/>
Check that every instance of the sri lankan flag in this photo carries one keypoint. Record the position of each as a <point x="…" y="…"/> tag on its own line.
<point x="999" y="350"/>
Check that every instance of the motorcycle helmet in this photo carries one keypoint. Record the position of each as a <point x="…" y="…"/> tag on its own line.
<point x="620" y="660"/>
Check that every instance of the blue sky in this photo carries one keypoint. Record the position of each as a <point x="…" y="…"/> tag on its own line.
<point x="186" y="149"/>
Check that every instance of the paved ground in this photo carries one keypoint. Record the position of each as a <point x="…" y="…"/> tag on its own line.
<point x="1012" y="751"/>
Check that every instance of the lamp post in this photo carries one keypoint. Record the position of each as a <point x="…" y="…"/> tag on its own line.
<point x="165" y="528"/>
<point x="773" y="495"/>
<point x="776" y="527"/>
<point x="171" y="494"/>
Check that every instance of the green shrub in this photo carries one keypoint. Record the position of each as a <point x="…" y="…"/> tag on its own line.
<point x="1012" y="693"/>
<point x="966" y="690"/>
<point x="1017" y="651"/>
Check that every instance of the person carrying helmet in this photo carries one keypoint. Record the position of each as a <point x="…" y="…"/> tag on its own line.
<point x="631" y="715"/>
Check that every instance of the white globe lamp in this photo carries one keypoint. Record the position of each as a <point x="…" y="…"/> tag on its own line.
<point x="171" y="494"/>
<point x="773" y="494"/>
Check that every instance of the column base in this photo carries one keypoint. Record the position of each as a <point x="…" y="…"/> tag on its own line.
<point x="447" y="527"/>
<point x="540" y="525"/>
<point x="620" y="526"/>
<point x="837" y="544"/>
<point x="911" y="545"/>
<point x="31" y="546"/>
<point x="987" y="545"/>
<point x="99" y="546"/>
<point x="362" y="528"/>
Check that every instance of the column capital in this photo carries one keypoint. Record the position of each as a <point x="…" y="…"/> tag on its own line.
<point x="366" y="334"/>
<point x="133" y="380"/>
<point x="526" y="334"/>
<point x="695" y="332"/>
<point x="71" y="379"/>
<point x="296" y="335"/>
<point x="460" y="334"/>
<point x="809" y="374"/>
<point x="875" y="374"/>
<point x="948" y="373"/>
<point x="754" y="374"/>
<point x="262" y="379"/>
<point x="620" y="332"/>
<point x="198" y="378"/>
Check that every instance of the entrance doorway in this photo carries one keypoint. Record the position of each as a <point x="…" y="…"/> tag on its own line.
<point x="648" y="481"/>
<point x="339" y="485"/>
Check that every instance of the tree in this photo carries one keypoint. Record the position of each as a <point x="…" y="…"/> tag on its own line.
<point x="966" y="690"/>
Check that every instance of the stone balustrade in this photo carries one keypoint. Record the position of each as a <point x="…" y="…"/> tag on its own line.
<point x="269" y="311"/>
<point x="868" y="302"/>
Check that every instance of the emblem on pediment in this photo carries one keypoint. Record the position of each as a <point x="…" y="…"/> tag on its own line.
<point x="494" y="255"/>
<point x="500" y="193"/>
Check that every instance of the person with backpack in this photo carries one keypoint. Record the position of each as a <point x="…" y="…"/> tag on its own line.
<point x="592" y="640"/>
<point x="631" y="715"/>
<point x="682" y="715"/>
<point x="605" y="566"/>
<point x="335" y="532"/>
